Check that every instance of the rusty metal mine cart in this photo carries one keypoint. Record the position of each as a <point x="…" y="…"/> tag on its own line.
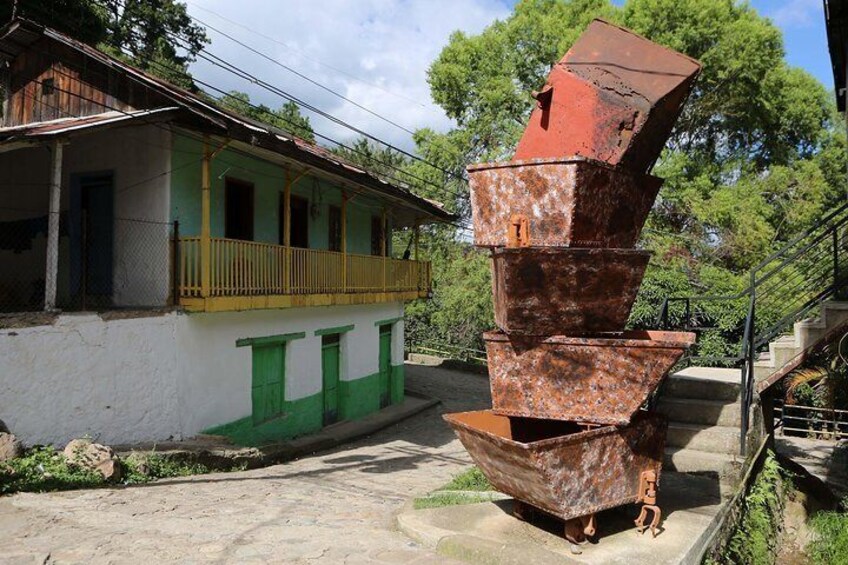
<point x="568" y="434"/>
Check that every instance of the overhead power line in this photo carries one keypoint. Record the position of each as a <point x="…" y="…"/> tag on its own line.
<point x="303" y="76"/>
<point x="210" y="57"/>
<point x="307" y="56"/>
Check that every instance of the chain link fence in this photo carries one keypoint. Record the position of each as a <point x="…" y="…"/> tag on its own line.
<point x="112" y="263"/>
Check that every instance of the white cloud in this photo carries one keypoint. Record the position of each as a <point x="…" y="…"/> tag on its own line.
<point x="387" y="45"/>
<point x="797" y="13"/>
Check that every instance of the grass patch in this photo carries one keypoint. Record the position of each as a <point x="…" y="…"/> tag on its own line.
<point x="831" y="545"/>
<point x="442" y="499"/>
<point x="755" y="541"/>
<point x="466" y="483"/>
<point x="472" y="479"/>
<point x="43" y="469"/>
<point x="139" y="470"/>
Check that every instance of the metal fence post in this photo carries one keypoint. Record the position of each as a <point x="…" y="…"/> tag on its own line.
<point x="835" y="240"/>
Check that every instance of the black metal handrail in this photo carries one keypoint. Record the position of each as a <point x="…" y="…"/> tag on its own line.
<point x="783" y="288"/>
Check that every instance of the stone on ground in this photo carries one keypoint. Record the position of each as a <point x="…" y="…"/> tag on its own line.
<point x="10" y="446"/>
<point x="93" y="456"/>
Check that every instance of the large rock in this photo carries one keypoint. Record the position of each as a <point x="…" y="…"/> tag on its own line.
<point x="89" y="455"/>
<point x="4" y="428"/>
<point x="10" y="447"/>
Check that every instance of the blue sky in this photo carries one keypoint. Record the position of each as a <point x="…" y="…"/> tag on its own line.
<point x="802" y="23"/>
<point x="377" y="52"/>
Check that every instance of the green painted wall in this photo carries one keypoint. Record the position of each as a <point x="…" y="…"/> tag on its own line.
<point x="269" y="182"/>
<point x="360" y="397"/>
<point x="301" y="417"/>
<point x="397" y="384"/>
<point x="357" y="399"/>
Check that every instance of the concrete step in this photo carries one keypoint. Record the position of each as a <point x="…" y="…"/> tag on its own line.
<point x="714" y="439"/>
<point x="834" y="313"/>
<point x="782" y="350"/>
<point x="808" y="332"/>
<point x="682" y="460"/>
<point x="701" y="411"/>
<point x="707" y="383"/>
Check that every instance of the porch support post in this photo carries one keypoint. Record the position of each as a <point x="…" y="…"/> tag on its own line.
<point x="415" y="236"/>
<point x="344" y="241"/>
<point x="384" y="222"/>
<point x="287" y="232"/>
<point x="205" y="222"/>
<point x="52" y="266"/>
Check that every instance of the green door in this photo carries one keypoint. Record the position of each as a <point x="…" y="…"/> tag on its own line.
<point x="330" y="352"/>
<point x="268" y="381"/>
<point x="385" y="365"/>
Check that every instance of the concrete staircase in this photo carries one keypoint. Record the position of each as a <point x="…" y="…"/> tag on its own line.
<point x="788" y="351"/>
<point x="703" y="403"/>
<point x="703" y="408"/>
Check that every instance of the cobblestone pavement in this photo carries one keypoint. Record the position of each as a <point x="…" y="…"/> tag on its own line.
<point x="336" y="507"/>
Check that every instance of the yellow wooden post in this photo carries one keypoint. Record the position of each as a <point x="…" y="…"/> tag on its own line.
<point x="287" y="232"/>
<point x="205" y="222"/>
<point x="415" y="236"/>
<point x="344" y="241"/>
<point x="417" y="267"/>
<point x="383" y="244"/>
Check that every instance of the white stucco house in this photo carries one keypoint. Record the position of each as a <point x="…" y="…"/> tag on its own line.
<point x="168" y="267"/>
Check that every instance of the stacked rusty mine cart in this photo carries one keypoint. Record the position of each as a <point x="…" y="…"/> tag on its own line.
<point x="568" y="434"/>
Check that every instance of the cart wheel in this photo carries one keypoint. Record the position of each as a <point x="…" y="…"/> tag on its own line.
<point x="574" y="531"/>
<point x="522" y="510"/>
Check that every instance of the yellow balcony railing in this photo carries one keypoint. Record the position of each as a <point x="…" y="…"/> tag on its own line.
<point x="247" y="268"/>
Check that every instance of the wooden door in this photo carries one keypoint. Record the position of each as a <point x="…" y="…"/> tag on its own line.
<point x="330" y="354"/>
<point x="91" y="230"/>
<point x="268" y="392"/>
<point x="385" y="365"/>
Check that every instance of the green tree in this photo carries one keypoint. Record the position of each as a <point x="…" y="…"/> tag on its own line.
<point x="757" y="155"/>
<point x="155" y="35"/>
<point x="287" y="118"/>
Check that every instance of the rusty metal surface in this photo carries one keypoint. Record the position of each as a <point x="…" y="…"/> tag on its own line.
<point x="567" y="202"/>
<point x="559" y="290"/>
<point x="557" y="467"/>
<point x="586" y="379"/>
<point x="614" y="96"/>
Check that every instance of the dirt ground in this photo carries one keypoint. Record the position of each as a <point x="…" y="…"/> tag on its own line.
<point x="335" y="507"/>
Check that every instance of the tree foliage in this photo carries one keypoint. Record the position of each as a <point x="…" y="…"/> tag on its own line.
<point x="756" y="157"/>
<point x="158" y="36"/>
<point x="287" y="117"/>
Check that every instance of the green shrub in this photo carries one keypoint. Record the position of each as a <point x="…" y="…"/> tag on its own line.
<point x="146" y="468"/>
<point x="42" y="469"/>
<point x="831" y="544"/>
<point x="755" y="541"/>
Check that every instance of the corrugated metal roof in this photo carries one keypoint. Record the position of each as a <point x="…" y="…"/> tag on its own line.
<point x="19" y="34"/>
<point x="66" y="125"/>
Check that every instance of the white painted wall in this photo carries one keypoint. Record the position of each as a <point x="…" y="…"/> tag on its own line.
<point x="113" y="380"/>
<point x="151" y="378"/>
<point x="138" y="156"/>
<point x="215" y="380"/>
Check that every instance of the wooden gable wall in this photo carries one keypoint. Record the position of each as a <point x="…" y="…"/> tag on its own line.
<point x="82" y="86"/>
